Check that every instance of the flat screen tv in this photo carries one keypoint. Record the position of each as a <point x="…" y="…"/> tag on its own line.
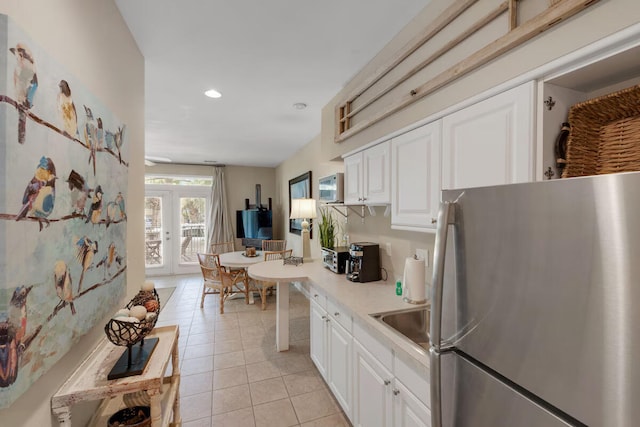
<point x="254" y="224"/>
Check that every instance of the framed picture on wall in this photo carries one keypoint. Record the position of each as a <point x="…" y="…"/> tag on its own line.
<point x="299" y="188"/>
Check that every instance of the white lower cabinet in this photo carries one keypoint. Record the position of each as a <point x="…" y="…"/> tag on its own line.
<point x="380" y="398"/>
<point x="408" y="410"/>
<point x="373" y="386"/>
<point x="331" y="351"/>
<point x="372" y="404"/>
<point x="318" y="341"/>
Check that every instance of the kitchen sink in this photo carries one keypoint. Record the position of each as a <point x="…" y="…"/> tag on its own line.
<point x="411" y="323"/>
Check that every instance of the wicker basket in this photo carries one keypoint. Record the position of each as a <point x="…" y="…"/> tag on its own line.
<point x="605" y="135"/>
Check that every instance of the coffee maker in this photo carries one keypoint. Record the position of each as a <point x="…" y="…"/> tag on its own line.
<point x="364" y="262"/>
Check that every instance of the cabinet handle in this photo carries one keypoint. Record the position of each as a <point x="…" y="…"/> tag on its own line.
<point x="396" y="392"/>
<point x="387" y="382"/>
<point x="328" y="320"/>
<point x="336" y="314"/>
<point x="315" y="295"/>
<point x="324" y="317"/>
<point x="434" y="220"/>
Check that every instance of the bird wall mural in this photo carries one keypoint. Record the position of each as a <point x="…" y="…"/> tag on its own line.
<point x="63" y="219"/>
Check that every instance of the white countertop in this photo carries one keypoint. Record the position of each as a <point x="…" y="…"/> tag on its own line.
<point x="361" y="299"/>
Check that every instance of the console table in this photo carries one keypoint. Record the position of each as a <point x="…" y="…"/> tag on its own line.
<point x="89" y="382"/>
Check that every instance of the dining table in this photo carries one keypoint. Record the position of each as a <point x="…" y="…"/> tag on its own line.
<point x="282" y="274"/>
<point x="239" y="259"/>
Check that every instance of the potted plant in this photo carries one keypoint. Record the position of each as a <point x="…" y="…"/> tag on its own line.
<point x="327" y="228"/>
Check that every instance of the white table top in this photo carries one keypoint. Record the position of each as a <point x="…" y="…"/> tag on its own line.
<point x="238" y="260"/>
<point x="276" y="271"/>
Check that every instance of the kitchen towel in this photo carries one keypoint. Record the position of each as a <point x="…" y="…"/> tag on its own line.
<point x="414" y="283"/>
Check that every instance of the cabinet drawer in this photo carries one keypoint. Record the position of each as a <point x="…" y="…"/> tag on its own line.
<point x="414" y="379"/>
<point x="318" y="297"/>
<point x="376" y="348"/>
<point x="342" y="316"/>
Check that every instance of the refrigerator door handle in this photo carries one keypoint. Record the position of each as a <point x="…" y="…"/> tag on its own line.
<point x="445" y="218"/>
<point x="435" y="382"/>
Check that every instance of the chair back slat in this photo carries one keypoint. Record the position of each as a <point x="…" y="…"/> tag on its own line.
<point x="274" y="245"/>
<point x="271" y="255"/>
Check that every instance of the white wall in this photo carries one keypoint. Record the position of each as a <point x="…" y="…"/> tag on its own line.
<point x="92" y="41"/>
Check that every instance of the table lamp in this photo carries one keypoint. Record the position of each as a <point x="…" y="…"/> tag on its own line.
<point x="304" y="209"/>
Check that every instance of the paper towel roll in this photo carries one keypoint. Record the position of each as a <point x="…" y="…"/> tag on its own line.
<point x="413" y="280"/>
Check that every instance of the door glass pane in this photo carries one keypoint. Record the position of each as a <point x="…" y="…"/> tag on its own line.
<point x="153" y="231"/>
<point x="192" y="228"/>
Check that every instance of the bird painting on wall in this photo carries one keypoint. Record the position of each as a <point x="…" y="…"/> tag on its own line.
<point x="79" y="192"/>
<point x="39" y="196"/>
<point x="99" y="136"/>
<point x="95" y="209"/>
<point x="67" y="110"/>
<point x="109" y="259"/>
<point x="63" y="284"/>
<point x="25" y="82"/>
<point x="90" y="136"/>
<point x="115" y="210"/>
<point x="85" y="251"/>
<point x="13" y="336"/>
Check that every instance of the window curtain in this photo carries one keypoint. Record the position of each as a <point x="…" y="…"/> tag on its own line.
<point x="219" y="221"/>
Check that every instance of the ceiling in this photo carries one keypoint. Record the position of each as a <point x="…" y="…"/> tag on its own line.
<point x="264" y="57"/>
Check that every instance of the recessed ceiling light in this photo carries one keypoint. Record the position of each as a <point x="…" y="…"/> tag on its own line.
<point x="299" y="105"/>
<point x="212" y="93"/>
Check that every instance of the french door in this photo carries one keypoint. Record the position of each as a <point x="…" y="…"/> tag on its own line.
<point x="175" y="229"/>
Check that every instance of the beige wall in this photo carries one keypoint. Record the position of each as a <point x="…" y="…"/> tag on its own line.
<point x="92" y="41"/>
<point x="305" y="160"/>
<point x="241" y="184"/>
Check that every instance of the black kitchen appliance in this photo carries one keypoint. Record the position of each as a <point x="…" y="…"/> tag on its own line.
<point x="335" y="259"/>
<point x="364" y="262"/>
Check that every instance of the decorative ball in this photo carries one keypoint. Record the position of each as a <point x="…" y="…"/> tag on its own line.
<point x="123" y="312"/>
<point x="150" y="317"/>
<point x="148" y="286"/>
<point x="138" y="311"/>
<point x="151" y="305"/>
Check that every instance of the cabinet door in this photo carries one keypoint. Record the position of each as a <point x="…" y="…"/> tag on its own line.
<point x="407" y="408"/>
<point x="372" y="403"/>
<point x="491" y="142"/>
<point x="377" y="174"/>
<point x="415" y="172"/>
<point x="339" y="364"/>
<point x="318" y="339"/>
<point x="353" y="179"/>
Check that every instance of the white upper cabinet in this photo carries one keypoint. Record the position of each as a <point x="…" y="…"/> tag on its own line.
<point x="367" y="176"/>
<point x="353" y="179"/>
<point x="415" y="178"/>
<point x="491" y="142"/>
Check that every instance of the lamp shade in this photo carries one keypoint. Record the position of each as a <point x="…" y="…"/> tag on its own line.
<point x="303" y="209"/>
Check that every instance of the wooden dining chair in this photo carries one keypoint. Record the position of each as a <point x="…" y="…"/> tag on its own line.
<point x="223" y="248"/>
<point x="216" y="280"/>
<point x="274" y="245"/>
<point x="263" y="286"/>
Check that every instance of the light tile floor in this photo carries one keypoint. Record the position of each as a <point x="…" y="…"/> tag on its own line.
<point x="231" y="373"/>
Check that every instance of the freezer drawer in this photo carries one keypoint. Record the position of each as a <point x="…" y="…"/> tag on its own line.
<point x="472" y="397"/>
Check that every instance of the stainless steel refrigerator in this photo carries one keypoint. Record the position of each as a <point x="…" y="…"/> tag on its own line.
<point x="535" y="317"/>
